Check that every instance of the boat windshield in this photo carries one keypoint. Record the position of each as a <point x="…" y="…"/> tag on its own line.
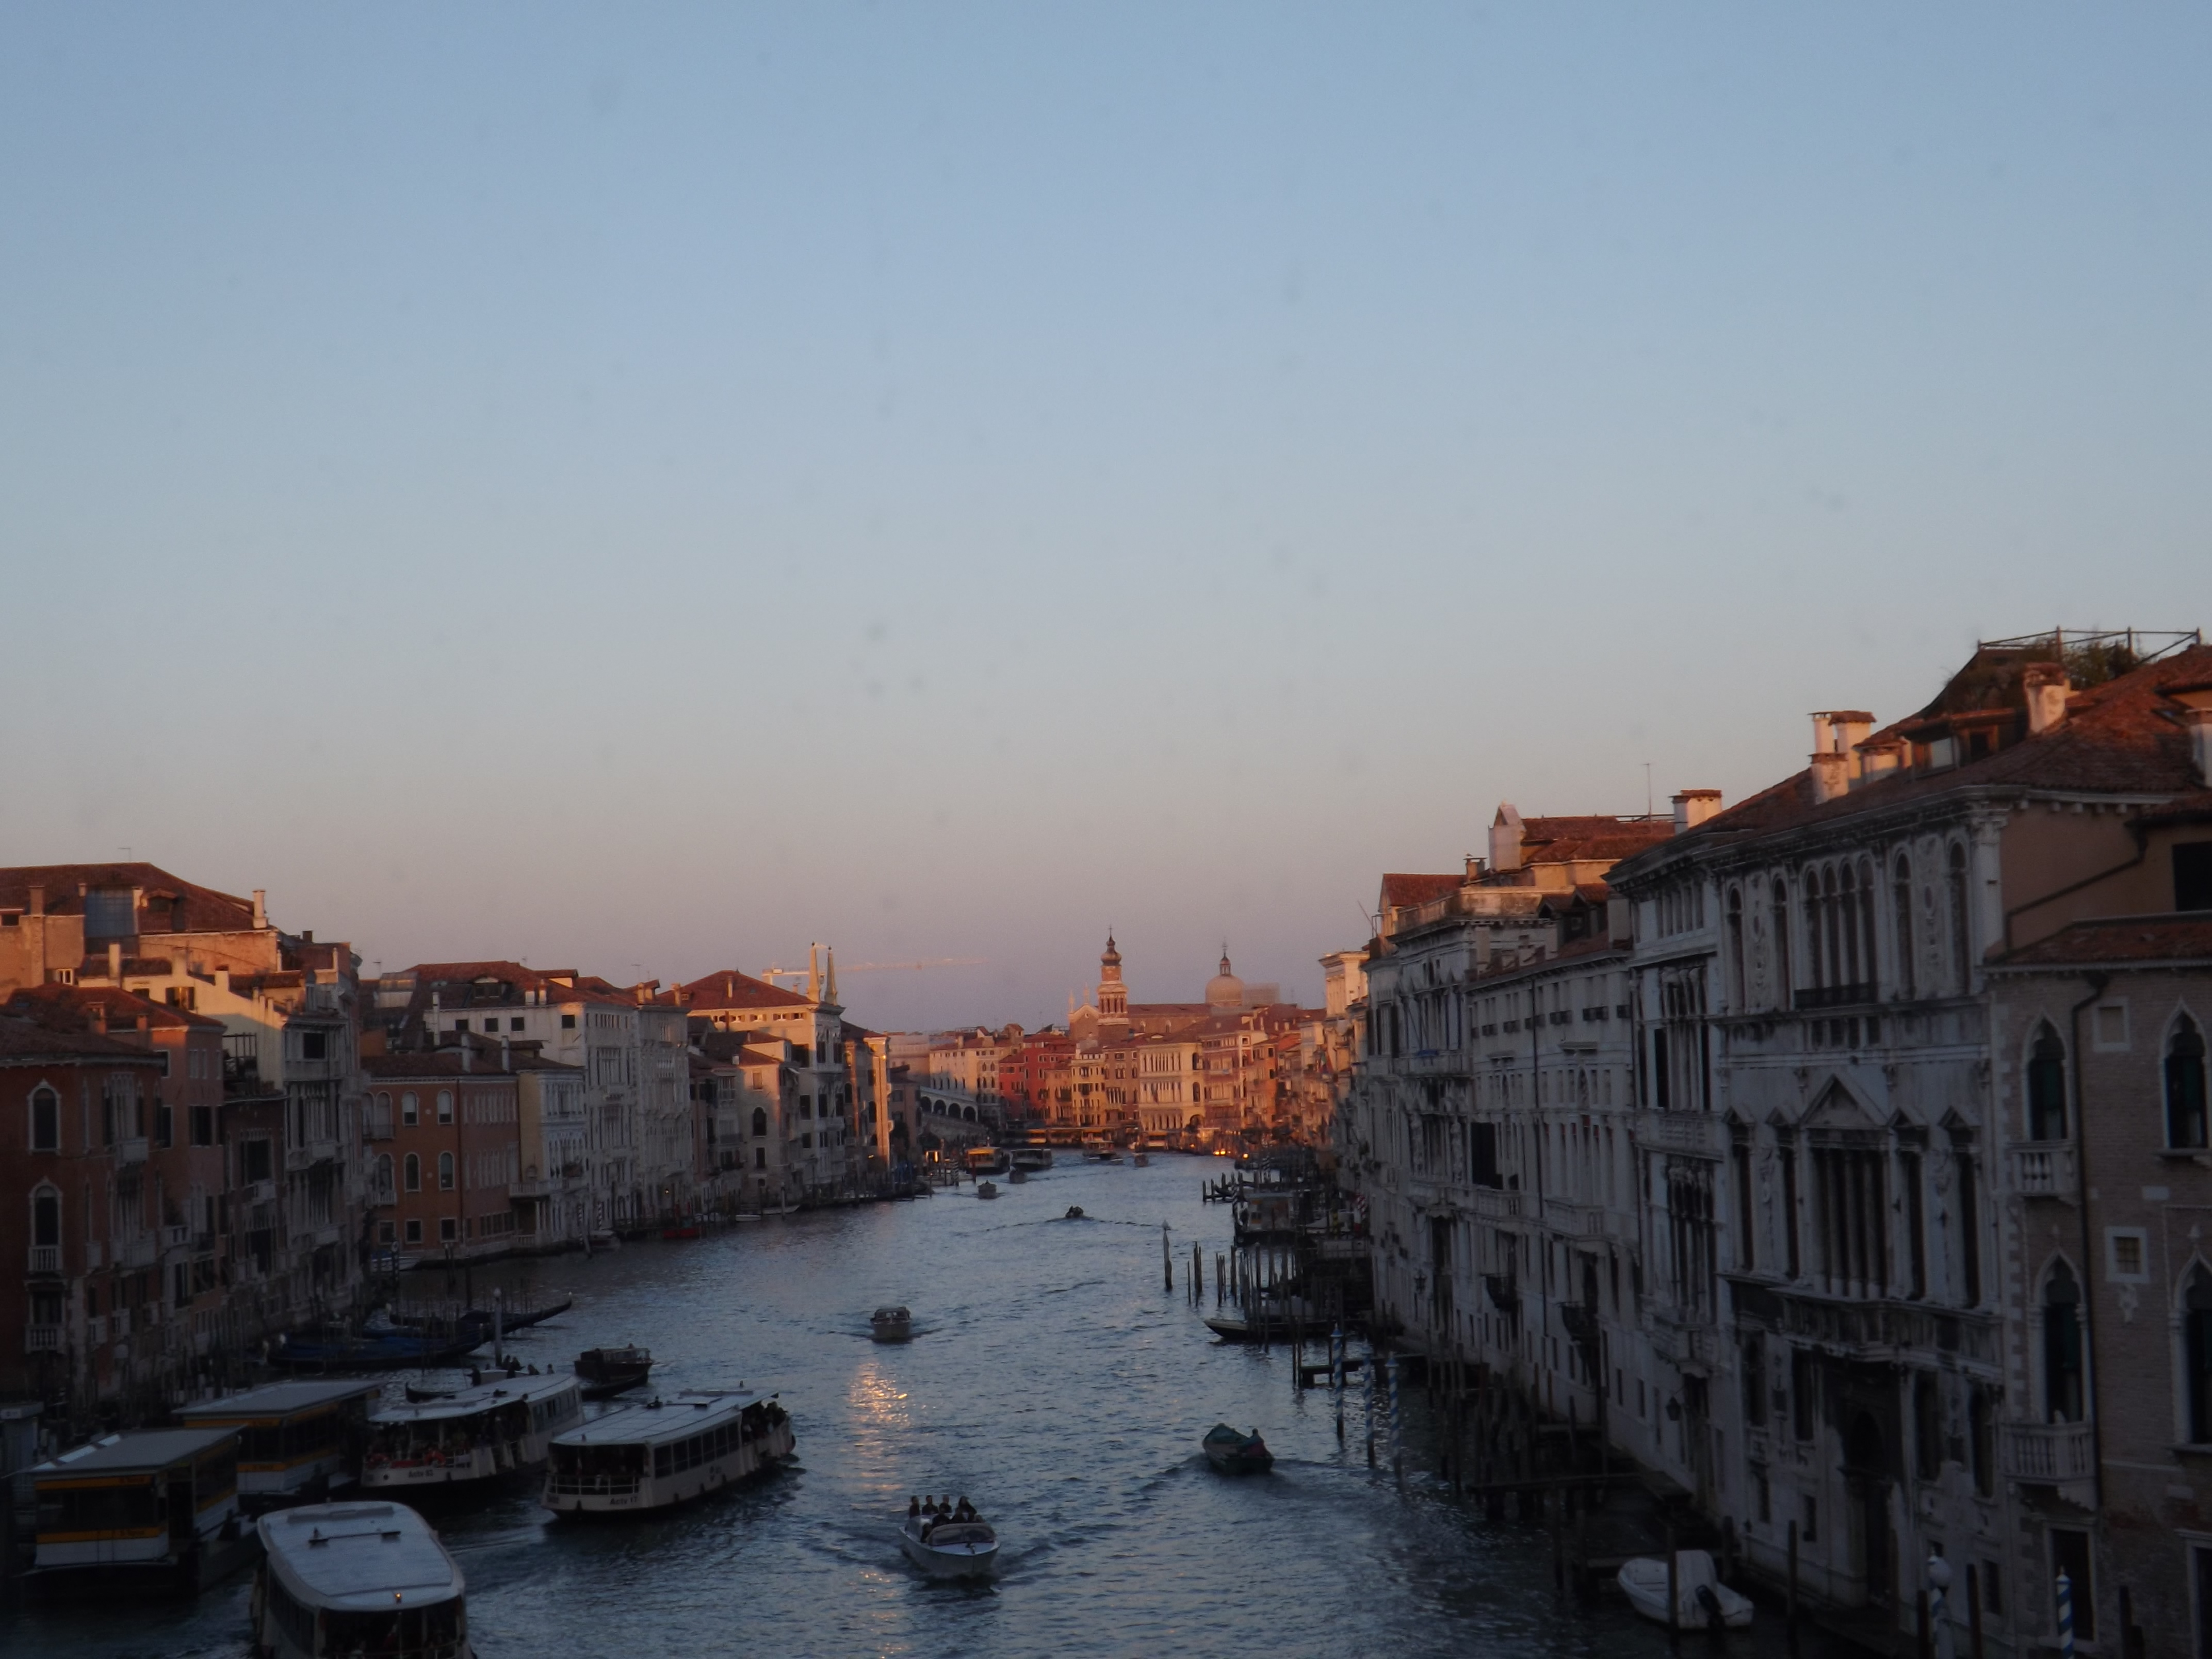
<point x="952" y="1535"/>
<point x="433" y="1633"/>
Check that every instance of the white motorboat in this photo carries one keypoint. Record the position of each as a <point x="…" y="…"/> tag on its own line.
<point x="891" y="1324"/>
<point x="950" y="1549"/>
<point x="987" y="1189"/>
<point x="343" y="1578"/>
<point x="1701" y="1601"/>
<point x="663" y="1452"/>
<point x="477" y="1435"/>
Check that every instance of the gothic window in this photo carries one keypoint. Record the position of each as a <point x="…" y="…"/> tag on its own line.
<point x="1813" y="979"/>
<point x="47" y="1121"/>
<point x="1865" y="975"/>
<point x="1903" y="891"/>
<point x="1848" y="913"/>
<point x="1961" y="962"/>
<point x="46" y="1219"/>
<point x="2197" y="1354"/>
<point x="2047" y="1086"/>
<point x="1735" y="947"/>
<point x="2185" y="1085"/>
<point x="2061" y="1347"/>
<point x="760" y="1121"/>
<point x="1782" y="981"/>
<point x="1851" y="1211"/>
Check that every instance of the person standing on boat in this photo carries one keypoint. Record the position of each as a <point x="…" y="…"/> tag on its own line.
<point x="914" y="1509"/>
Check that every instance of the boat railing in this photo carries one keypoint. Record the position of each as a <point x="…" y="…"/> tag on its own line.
<point x="593" y="1486"/>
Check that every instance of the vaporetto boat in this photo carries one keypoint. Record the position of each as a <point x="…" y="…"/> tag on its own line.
<point x="476" y="1436"/>
<point x="355" y="1579"/>
<point x="665" y="1451"/>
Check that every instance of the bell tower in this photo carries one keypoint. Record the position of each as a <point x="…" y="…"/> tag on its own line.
<point x="1113" y="995"/>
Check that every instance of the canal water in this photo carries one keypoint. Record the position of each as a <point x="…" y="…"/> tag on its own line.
<point x="1053" y="1382"/>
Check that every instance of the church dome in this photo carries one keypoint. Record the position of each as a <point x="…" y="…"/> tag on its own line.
<point x="1224" y="989"/>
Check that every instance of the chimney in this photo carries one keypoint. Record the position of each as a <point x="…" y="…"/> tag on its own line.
<point x="466" y="1048"/>
<point x="2046" y="686"/>
<point x="260" y="907"/>
<point x="38" y="901"/>
<point x="1693" y="807"/>
<point x="506" y="1056"/>
<point x="1849" y="729"/>
<point x="2194" y="697"/>
<point x="115" y="960"/>
<point x="1831" y="776"/>
<point x="1505" y="839"/>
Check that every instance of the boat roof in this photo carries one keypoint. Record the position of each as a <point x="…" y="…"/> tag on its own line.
<point x="672" y="1417"/>
<point x="145" y="1451"/>
<point x="278" y="1400"/>
<point x="472" y="1402"/>
<point x="361" y="1557"/>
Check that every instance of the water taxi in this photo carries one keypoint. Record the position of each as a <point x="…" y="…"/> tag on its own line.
<point x="891" y="1324"/>
<point x="1237" y="1454"/>
<point x="154" y="1502"/>
<point x="471" y="1437"/>
<point x="949" y="1548"/>
<point x="663" y="1452"/>
<point x="1032" y="1157"/>
<point x="296" y="1440"/>
<point x="987" y="1160"/>
<point x="609" y="1371"/>
<point x="351" y="1578"/>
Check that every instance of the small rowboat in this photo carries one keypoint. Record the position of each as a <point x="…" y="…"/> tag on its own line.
<point x="891" y="1325"/>
<point x="1237" y="1454"/>
<point x="950" y="1549"/>
<point x="1701" y="1601"/>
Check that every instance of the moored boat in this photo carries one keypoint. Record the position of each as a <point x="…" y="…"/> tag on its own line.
<point x="891" y="1324"/>
<point x="1701" y="1601"/>
<point x="1237" y="1454"/>
<point x="347" y="1578"/>
<point x="150" y="1505"/>
<point x="946" y="1548"/>
<point x="663" y="1452"/>
<point x="609" y="1371"/>
<point x="295" y="1439"/>
<point x="471" y="1437"/>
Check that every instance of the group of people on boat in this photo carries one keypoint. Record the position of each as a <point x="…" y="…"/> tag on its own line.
<point x="935" y="1512"/>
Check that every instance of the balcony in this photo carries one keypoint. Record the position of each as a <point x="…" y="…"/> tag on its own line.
<point x="132" y="1151"/>
<point x="1497" y="1204"/>
<point x="1701" y="1134"/>
<point x="42" y="1339"/>
<point x="45" y="1258"/>
<point x="176" y="1238"/>
<point x="135" y="1253"/>
<point x="1834" y="996"/>
<point x="1679" y="1341"/>
<point x="257" y="1192"/>
<point x="2043" y="1169"/>
<point x="1566" y="1215"/>
<point x="2049" y="1453"/>
<point x="119" y="1323"/>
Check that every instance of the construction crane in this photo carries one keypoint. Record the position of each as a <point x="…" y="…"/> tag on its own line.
<point x="798" y="974"/>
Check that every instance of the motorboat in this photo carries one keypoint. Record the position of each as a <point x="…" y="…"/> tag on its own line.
<point x="950" y="1549"/>
<point x="344" y="1578"/>
<point x="1140" y="1158"/>
<point x="891" y="1325"/>
<point x="1237" y="1454"/>
<point x="1032" y="1157"/>
<point x="1017" y="1178"/>
<point x="1701" y="1601"/>
<point x="470" y="1438"/>
<point x="1074" y="1213"/>
<point x="662" y="1452"/>
<point x="609" y="1371"/>
<point x="987" y="1189"/>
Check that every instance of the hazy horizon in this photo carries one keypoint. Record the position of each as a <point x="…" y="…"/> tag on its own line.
<point x="648" y="491"/>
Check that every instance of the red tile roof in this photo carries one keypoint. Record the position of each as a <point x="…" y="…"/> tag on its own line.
<point x="203" y="909"/>
<point x="1594" y="836"/>
<point x="69" y="1008"/>
<point x="22" y="1043"/>
<point x="1399" y="890"/>
<point x="730" y="990"/>
<point x="2117" y="738"/>
<point x="2168" y="940"/>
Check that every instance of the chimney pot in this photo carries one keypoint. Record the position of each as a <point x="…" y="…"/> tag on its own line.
<point x="260" y="907"/>
<point x="2046" y="687"/>
<point x="1832" y="776"/>
<point x="38" y="901"/>
<point x="2198" y="722"/>
<point x="1693" y="807"/>
<point x="115" y="960"/>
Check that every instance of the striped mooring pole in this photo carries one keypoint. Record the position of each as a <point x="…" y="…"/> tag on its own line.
<point x="2066" y="1615"/>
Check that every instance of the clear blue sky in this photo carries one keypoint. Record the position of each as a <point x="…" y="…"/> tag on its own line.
<point x="660" y="485"/>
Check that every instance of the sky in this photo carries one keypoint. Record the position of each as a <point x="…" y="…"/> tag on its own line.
<point x="647" y="488"/>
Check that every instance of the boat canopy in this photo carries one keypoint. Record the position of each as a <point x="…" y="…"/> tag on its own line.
<point x="361" y="1558"/>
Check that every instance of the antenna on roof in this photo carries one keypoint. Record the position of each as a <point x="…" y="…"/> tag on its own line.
<point x="1648" y="808"/>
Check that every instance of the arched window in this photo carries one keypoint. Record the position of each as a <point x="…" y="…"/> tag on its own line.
<point x="1782" y="979"/>
<point x="1832" y="953"/>
<point x="760" y="1121"/>
<point x="1868" y="900"/>
<point x="45" y="1120"/>
<point x="1962" y="975"/>
<point x="2061" y="1347"/>
<point x="382" y="1180"/>
<point x="408" y="1112"/>
<point x="2047" y="1086"/>
<point x="45" y="1220"/>
<point x="1737" y="988"/>
<point x="444" y="1172"/>
<point x="2185" y="1085"/>
<point x="1812" y="929"/>
<point x="1903" y="892"/>
<point x="2196" y="1353"/>
<point x="444" y="1105"/>
<point x="413" y="1170"/>
<point x="1848" y="915"/>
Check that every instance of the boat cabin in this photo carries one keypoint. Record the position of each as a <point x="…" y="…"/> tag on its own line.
<point x="665" y="1451"/>
<point x="478" y="1434"/>
<point x="292" y="1435"/>
<point x="357" y="1578"/>
<point x="146" y="1499"/>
